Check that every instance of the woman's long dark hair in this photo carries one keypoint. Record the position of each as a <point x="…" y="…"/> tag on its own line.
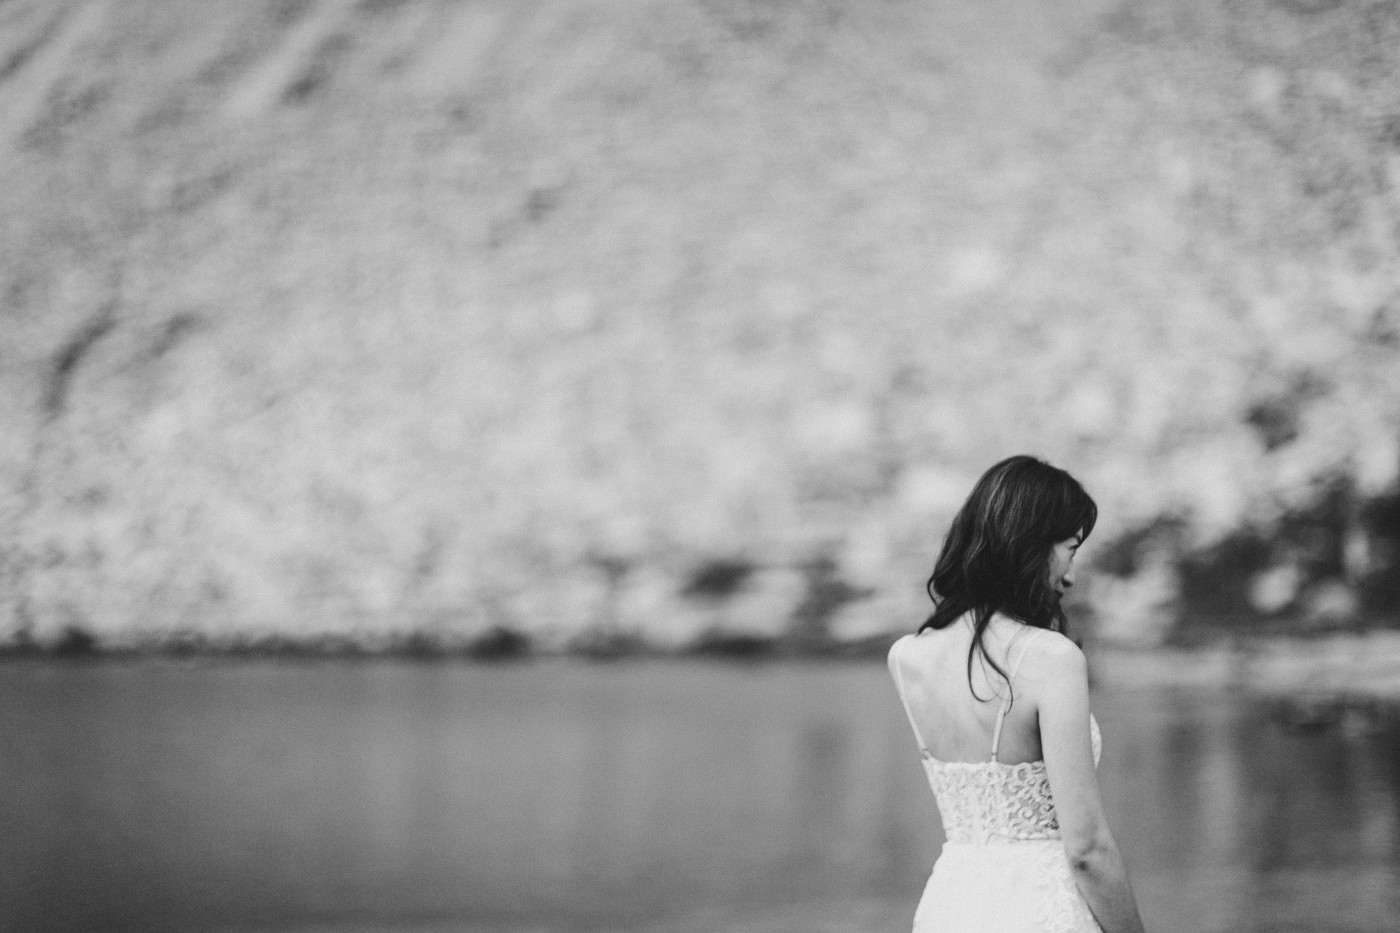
<point x="996" y="557"/>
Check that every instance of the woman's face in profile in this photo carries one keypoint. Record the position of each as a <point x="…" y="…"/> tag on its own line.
<point x="1062" y="563"/>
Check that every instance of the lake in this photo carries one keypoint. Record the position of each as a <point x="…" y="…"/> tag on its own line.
<point x="646" y="796"/>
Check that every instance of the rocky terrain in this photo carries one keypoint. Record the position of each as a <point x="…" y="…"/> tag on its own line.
<point x="597" y="324"/>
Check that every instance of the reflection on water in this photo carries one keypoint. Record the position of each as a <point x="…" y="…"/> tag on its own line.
<point x="664" y="796"/>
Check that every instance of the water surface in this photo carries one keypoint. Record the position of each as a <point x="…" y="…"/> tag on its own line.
<point x="651" y="796"/>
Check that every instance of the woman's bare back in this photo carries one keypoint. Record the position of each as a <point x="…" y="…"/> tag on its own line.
<point x="953" y="724"/>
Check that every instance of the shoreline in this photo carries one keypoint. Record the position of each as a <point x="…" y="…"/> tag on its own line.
<point x="1350" y="667"/>
<point x="1358" y="667"/>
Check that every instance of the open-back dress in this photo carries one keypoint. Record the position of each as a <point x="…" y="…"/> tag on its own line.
<point x="1003" y="868"/>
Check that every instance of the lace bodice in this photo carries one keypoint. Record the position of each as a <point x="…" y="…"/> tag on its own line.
<point x="988" y="801"/>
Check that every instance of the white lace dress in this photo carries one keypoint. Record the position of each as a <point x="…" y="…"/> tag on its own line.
<point x="1003" y="868"/>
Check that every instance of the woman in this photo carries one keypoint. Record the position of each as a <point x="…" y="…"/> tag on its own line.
<point x="998" y="699"/>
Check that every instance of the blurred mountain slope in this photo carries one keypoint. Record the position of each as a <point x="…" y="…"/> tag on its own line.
<point x="355" y="319"/>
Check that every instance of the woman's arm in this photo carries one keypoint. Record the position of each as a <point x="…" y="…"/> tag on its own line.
<point x="1063" y="695"/>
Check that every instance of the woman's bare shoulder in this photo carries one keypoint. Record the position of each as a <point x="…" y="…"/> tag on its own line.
<point x="917" y="650"/>
<point x="901" y="644"/>
<point x="1052" y="656"/>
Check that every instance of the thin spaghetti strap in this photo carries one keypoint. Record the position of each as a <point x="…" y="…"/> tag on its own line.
<point x="904" y="701"/>
<point x="1006" y="703"/>
<point x="996" y="735"/>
